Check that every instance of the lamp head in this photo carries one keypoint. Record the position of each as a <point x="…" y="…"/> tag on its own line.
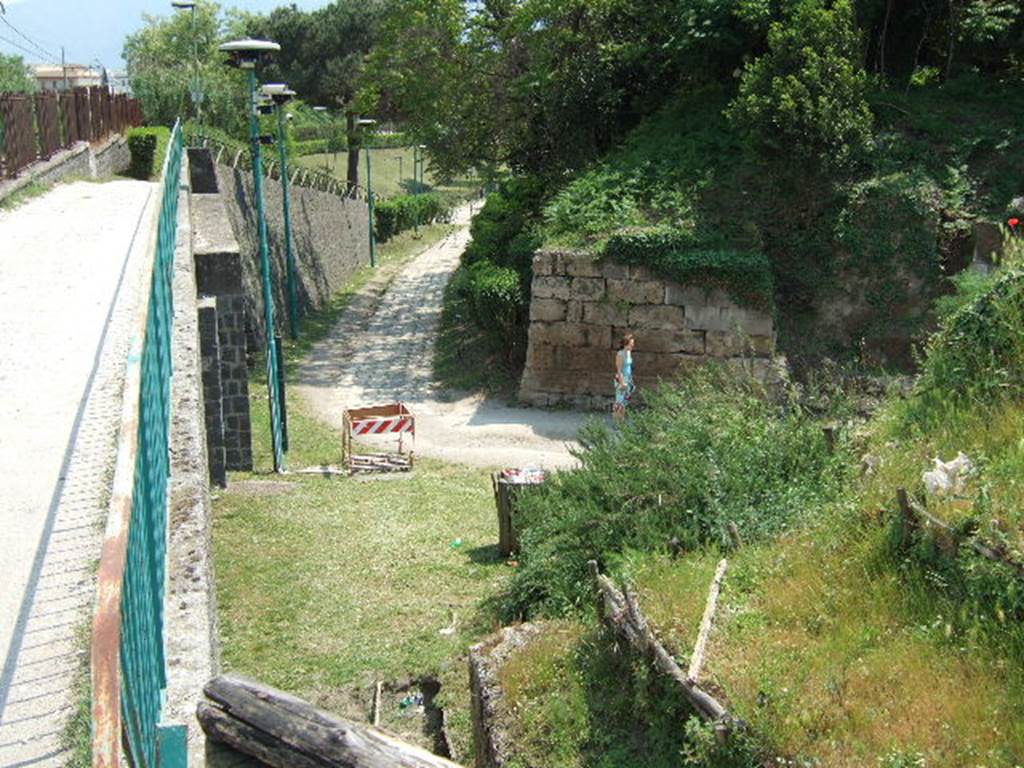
<point x="183" y="5"/>
<point x="278" y="92"/>
<point x="367" y="121"/>
<point x="246" y="54"/>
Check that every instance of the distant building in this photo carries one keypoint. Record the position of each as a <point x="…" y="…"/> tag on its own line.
<point x="119" y="82"/>
<point x="52" y="78"/>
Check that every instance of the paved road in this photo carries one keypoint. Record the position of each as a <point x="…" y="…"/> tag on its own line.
<point x="69" y="283"/>
<point x="387" y="358"/>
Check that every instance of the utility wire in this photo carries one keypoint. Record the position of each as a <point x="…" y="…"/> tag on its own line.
<point x="30" y="52"/>
<point x="27" y="38"/>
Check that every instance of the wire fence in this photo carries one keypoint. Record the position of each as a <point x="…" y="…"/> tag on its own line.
<point x="36" y="126"/>
<point x="239" y="155"/>
<point x="129" y="671"/>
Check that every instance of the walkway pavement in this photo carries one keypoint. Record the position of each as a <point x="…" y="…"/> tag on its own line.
<point x="387" y="357"/>
<point x="70" y="266"/>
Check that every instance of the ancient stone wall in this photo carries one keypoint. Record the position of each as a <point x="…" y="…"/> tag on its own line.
<point x="580" y="308"/>
<point x="331" y="240"/>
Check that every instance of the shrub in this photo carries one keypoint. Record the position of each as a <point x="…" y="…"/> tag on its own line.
<point x="977" y="357"/>
<point x="311" y="147"/>
<point x="711" y="452"/>
<point x="142" y="143"/>
<point x="402" y="212"/>
<point x="678" y="255"/>
<point x="496" y="303"/>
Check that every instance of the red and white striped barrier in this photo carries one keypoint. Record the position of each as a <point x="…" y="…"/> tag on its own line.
<point x="383" y="426"/>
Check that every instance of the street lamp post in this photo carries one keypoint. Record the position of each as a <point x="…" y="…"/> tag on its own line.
<point x="197" y="86"/>
<point x="281" y="94"/>
<point x="245" y="54"/>
<point x="369" y="196"/>
<point x="320" y="111"/>
<point x="417" y="162"/>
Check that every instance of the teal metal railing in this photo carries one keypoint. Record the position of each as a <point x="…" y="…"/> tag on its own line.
<point x="129" y="671"/>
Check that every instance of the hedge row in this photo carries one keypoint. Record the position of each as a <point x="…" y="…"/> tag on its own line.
<point x="147" y="147"/>
<point x="680" y="256"/>
<point x="397" y="214"/>
<point x="311" y="147"/>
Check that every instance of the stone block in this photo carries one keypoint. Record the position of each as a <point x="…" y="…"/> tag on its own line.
<point x="543" y="263"/>
<point x="547" y="310"/>
<point x="571" y="335"/>
<point x="636" y="292"/>
<point x="734" y="320"/>
<point x="574" y="311"/>
<point x="580" y="265"/>
<point x="730" y="344"/>
<point x="605" y="313"/>
<point x="586" y="359"/>
<point x="671" y="341"/>
<point x="539" y="356"/>
<point x="657" y="316"/>
<point x="640" y="273"/>
<point x="588" y="288"/>
<point x="614" y="271"/>
<point x="686" y="295"/>
<point x="550" y="287"/>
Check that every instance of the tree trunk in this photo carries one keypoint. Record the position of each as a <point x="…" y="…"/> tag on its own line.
<point x="286" y="732"/>
<point x="354" y="139"/>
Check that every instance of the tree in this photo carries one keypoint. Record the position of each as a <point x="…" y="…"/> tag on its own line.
<point x="322" y="56"/>
<point x="15" y="75"/>
<point x="159" y="59"/>
<point x="804" y="99"/>
<point x="548" y="86"/>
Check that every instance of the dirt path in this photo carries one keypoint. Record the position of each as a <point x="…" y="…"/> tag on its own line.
<point x="386" y="357"/>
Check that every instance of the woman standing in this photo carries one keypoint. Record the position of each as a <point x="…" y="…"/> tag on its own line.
<point x="623" y="376"/>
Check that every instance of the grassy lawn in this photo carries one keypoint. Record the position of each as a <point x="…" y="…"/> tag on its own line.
<point x="392" y="171"/>
<point x="326" y="584"/>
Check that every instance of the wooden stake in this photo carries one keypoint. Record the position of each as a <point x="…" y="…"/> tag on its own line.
<point x="697" y="658"/>
<point x="621" y="614"/>
<point x="376" y="703"/>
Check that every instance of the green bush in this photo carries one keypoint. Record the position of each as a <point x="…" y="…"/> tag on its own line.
<point x="402" y="212"/>
<point x="147" y="147"/>
<point x="505" y="230"/>
<point x="977" y="357"/>
<point x="678" y="255"/>
<point x="311" y="147"/>
<point x="495" y="300"/>
<point x="711" y="452"/>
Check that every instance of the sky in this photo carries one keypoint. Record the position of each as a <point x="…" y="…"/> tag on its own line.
<point x="92" y="30"/>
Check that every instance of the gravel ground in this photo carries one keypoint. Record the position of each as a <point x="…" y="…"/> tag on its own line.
<point x="387" y="358"/>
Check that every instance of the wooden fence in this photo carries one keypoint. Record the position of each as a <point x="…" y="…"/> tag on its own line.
<point x="35" y="127"/>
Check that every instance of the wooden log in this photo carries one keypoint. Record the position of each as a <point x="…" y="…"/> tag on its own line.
<point x="697" y="658"/>
<point x="620" y="612"/>
<point x="286" y="732"/>
<point x="908" y="521"/>
<point x="377" y="694"/>
<point x="734" y="535"/>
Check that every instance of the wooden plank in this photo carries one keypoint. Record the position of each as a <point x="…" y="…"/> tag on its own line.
<point x="697" y="658"/>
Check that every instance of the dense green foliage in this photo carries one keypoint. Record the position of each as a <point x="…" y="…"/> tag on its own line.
<point x="160" y="67"/>
<point x="675" y="254"/>
<point x="710" y="452"/>
<point x="978" y="356"/>
<point x="402" y="212"/>
<point x="148" y="147"/>
<point x="493" y="296"/>
<point x="15" y="76"/>
<point x="804" y="99"/>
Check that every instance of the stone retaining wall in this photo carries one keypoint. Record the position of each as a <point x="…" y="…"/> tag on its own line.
<point x="80" y="161"/>
<point x="580" y="308"/>
<point x="331" y="240"/>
